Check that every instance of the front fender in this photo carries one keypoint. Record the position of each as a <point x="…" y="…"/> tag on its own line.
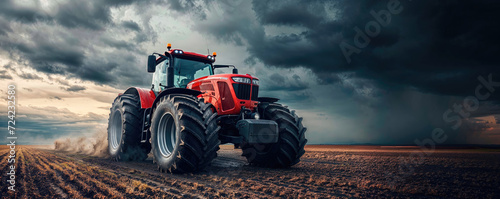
<point x="268" y="99"/>
<point x="174" y="90"/>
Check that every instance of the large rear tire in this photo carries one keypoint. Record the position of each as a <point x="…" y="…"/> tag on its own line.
<point x="124" y="129"/>
<point x="184" y="134"/>
<point x="290" y="146"/>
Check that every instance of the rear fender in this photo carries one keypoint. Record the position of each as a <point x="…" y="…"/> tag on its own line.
<point x="147" y="96"/>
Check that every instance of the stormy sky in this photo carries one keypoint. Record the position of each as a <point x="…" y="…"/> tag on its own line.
<point x="380" y="72"/>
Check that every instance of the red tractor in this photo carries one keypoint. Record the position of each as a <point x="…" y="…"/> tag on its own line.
<point x="189" y="112"/>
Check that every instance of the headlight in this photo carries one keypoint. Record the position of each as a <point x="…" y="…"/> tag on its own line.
<point x="255" y="82"/>
<point x="256" y="116"/>
<point x="242" y="80"/>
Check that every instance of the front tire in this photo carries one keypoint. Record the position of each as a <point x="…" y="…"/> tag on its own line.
<point x="184" y="134"/>
<point x="124" y="130"/>
<point x="290" y="146"/>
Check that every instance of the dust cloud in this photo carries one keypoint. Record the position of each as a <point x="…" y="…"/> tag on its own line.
<point x="95" y="145"/>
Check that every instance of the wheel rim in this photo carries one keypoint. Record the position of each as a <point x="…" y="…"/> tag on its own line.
<point x="116" y="129"/>
<point x="167" y="136"/>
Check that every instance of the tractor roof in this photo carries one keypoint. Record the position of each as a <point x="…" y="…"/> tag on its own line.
<point x="191" y="55"/>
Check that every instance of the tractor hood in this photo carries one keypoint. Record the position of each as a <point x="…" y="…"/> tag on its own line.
<point x="228" y="92"/>
<point x="234" y="78"/>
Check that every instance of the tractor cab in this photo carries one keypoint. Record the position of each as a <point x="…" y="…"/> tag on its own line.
<point x="184" y="71"/>
<point x="177" y="68"/>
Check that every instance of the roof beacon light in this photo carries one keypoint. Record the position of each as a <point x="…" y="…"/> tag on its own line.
<point x="169" y="46"/>
<point x="214" y="54"/>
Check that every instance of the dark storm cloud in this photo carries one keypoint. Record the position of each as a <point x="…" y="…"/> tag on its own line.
<point x="277" y="82"/>
<point x="431" y="47"/>
<point x="63" y="54"/>
<point x="293" y="14"/>
<point x="22" y="13"/>
<point x="48" y="55"/>
<point x="119" y="44"/>
<point x="29" y="76"/>
<point x="61" y="81"/>
<point x="304" y="97"/>
<point x="80" y="47"/>
<point x="4" y="27"/>
<point x="487" y="108"/>
<point x="87" y="14"/>
<point x="132" y="25"/>
<point x="192" y="7"/>
<point x="71" y="14"/>
<point x="434" y="46"/>
<point x="99" y="73"/>
<point x="75" y="88"/>
<point x="289" y="87"/>
<point x="5" y="75"/>
<point x="118" y="2"/>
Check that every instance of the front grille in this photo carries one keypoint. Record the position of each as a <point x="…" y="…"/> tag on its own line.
<point x="255" y="92"/>
<point x="242" y="91"/>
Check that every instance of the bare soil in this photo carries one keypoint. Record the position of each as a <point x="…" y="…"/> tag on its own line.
<point x="324" y="172"/>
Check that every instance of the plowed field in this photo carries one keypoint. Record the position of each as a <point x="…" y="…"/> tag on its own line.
<point x="324" y="172"/>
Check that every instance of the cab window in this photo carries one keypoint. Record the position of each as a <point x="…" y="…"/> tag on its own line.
<point x="160" y="76"/>
<point x="186" y="71"/>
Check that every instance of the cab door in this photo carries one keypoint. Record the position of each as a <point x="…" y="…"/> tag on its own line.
<point x="160" y="76"/>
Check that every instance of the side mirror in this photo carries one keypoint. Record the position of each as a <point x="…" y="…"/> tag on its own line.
<point x="151" y="63"/>
<point x="235" y="70"/>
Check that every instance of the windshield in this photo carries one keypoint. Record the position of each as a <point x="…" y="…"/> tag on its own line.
<point x="186" y="71"/>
